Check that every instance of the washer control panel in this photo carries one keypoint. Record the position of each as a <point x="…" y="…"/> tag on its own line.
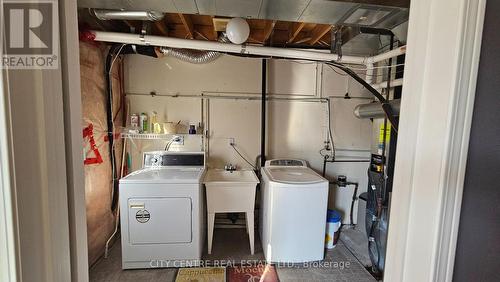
<point x="286" y="162"/>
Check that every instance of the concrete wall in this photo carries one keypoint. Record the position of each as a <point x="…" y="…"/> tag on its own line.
<point x="296" y="129"/>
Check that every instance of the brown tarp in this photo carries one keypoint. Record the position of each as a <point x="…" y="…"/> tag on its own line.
<point x="98" y="176"/>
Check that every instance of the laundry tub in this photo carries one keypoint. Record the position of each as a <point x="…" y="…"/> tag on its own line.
<point x="227" y="192"/>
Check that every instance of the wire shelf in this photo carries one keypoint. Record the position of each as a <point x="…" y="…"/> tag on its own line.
<point x="153" y="136"/>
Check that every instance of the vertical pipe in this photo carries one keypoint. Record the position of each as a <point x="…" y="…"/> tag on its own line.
<point x="387" y="97"/>
<point x="369" y="73"/>
<point x="263" y="115"/>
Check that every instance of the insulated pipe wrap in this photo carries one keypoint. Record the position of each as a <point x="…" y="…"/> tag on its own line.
<point x="104" y="14"/>
<point x="374" y="110"/>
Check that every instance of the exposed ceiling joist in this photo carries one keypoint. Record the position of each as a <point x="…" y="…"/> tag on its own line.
<point x="319" y="31"/>
<point x="162" y="27"/>
<point x="188" y="25"/>
<point x="268" y="30"/>
<point x="206" y="32"/>
<point x="130" y="25"/>
<point x="295" y="30"/>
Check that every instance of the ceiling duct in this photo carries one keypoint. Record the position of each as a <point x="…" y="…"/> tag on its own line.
<point x="105" y="14"/>
<point x="194" y="56"/>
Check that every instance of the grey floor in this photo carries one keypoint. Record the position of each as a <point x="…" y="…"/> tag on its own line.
<point x="232" y="245"/>
<point x="356" y="241"/>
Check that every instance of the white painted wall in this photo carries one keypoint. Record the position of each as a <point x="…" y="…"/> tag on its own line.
<point x="296" y="129"/>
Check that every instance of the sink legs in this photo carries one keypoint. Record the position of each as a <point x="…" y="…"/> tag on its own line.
<point x="210" y="231"/>
<point x="250" y="230"/>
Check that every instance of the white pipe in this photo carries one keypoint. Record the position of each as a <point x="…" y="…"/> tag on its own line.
<point x="387" y="55"/>
<point x="383" y="85"/>
<point x="369" y="72"/>
<point x="172" y="42"/>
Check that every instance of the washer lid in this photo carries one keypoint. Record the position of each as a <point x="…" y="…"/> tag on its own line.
<point x="293" y="175"/>
<point x="164" y="175"/>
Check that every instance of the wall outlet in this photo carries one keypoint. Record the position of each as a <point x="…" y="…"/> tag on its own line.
<point x="178" y="140"/>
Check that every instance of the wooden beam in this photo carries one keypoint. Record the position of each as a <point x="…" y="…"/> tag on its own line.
<point x="188" y="25"/>
<point x="295" y="30"/>
<point x="319" y="31"/>
<point x="206" y="32"/>
<point x="268" y="30"/>
<point x="214" y="32"/>
<point x="162" y="27"/>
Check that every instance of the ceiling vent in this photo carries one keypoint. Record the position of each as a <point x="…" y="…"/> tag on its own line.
<point x="366" y="15"/>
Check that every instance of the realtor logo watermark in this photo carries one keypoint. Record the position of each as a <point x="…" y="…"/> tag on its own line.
<point x="31" y="34"/>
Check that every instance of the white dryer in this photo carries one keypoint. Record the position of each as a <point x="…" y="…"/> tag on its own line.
<point x="294" y="202"/>
<point x="162" y="211"/>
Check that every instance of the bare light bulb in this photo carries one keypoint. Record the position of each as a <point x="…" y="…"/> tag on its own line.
<point x="237" y="30"/>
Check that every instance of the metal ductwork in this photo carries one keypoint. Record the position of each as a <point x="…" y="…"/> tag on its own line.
<point x="105" y="14"/>
<point x="194" y="56"/>
<point x="374" y="110"/>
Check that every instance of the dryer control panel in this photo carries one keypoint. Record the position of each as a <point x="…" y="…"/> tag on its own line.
<point x="286" y="162"/>
<point x="166" y="159"/>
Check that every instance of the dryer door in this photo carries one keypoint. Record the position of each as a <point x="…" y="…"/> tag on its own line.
<point x="160" y="220"/>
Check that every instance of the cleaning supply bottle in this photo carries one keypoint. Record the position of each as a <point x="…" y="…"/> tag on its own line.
<point x="192" y="129"/>
<point x="155" y="125"/>
<point x="143" y="120"/>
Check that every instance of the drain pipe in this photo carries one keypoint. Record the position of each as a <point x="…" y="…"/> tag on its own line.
<point x="263" y="115"/>
<point x="245" y="49"/>
<point x="162" y="41"/>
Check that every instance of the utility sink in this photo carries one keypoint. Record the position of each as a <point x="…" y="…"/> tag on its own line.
<point x="221" y="176"/>
<point x="230" y="191"/>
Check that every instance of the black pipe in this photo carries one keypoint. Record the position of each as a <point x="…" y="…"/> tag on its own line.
<point x="354" y="198"/>
<point x="387" y="94"/>
<point x="149" y="51"/>
<point x="325" y="160"/>
<point x="113" y="50"/>
<point x="385" y="104"/>
<point x="263" y="115"/>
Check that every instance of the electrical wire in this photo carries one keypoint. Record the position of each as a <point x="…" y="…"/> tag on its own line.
<point x="238" y="152"/>
<point x="169" y="143"/>
<point x="110" y="115"/>
<point x="167" y="146"/>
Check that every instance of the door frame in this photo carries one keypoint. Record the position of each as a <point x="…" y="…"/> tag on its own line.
<point x="438" y="93"/>
<point x="9" y="270"/>
<point x="444" y="42"/>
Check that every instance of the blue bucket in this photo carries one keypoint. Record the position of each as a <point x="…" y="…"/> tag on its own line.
<point x="333" y="216"/>
<point x="333" y="223"/>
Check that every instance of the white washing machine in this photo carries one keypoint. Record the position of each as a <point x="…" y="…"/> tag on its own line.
<point x="294" y="202"/>
<point x="162" y="210"/>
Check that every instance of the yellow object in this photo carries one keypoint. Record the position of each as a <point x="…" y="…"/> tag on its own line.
<point x="387" y="133"/>
<point x="201" y="274"/>
<point x="155" y="125"/>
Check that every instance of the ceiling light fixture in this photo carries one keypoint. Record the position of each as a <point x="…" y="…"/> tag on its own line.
<point x="237" y="30"/>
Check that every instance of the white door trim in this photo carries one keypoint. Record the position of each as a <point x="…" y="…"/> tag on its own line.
<point x="444" y="40"/>
<point x="8" y="252"/>
<point x="75" y="173"/>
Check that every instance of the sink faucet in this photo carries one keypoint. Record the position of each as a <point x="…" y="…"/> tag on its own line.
<point x="230" y="167"/>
